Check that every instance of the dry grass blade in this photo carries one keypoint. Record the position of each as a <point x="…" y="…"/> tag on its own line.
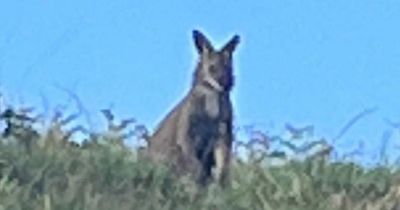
<point x="353" y="120"/>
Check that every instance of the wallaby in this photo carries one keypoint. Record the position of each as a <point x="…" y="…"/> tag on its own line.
<point x="196" y="136"/>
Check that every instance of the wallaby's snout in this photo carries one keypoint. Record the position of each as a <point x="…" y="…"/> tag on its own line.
<point x="215" y="66"/>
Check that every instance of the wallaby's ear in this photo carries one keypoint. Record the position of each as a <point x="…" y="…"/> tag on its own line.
<point x="201" y="42"/>
<point x="231" y="45"/>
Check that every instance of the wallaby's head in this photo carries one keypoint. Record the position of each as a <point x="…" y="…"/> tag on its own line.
<point x="214" y="68"/>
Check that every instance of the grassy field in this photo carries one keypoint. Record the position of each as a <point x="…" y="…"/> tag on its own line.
<point x="44" y="170"/>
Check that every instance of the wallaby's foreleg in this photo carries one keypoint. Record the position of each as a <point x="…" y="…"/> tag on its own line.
<point x="221" y="153"/>
<point x="222" y="156"/>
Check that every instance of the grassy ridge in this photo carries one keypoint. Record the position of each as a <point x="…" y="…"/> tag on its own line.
<point x="42" y="170"/>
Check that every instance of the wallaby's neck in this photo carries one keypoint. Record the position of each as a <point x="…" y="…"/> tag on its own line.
<point x="206" y="88"/>
<point x="210" y="84"/>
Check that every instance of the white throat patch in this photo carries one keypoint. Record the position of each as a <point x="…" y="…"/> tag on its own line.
<point x="214" y="84"/>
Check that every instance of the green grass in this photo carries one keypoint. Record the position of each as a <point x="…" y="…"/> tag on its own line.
<point x="44" y="171"/>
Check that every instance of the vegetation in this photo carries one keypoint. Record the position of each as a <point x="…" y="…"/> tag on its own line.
<point x="42" y="169"/>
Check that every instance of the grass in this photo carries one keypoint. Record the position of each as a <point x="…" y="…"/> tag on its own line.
<point x="43" y="170"/>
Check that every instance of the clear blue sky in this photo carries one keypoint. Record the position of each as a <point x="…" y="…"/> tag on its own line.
<point x="305" y="62"/>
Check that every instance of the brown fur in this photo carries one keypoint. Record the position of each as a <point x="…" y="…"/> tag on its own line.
<point x="196" y="136"/>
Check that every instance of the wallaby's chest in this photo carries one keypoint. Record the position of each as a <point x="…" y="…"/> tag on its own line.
<point x="210" y="110"/>
<point x="212" y="106"/>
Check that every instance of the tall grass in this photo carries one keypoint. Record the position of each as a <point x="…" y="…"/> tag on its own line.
<point x="42" y="169"/>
